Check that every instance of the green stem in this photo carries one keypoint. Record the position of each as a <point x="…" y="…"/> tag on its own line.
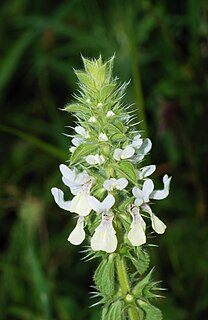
<point x="125" y="288"/>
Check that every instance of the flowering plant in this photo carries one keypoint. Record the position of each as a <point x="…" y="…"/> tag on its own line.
<point x="112" y="193"/>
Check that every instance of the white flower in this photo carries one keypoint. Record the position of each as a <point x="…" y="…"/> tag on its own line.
<point x="92" y="119"/>
<point x="110" y="114"/>
<point x="96" y="159"/>
<point x="145" y="171"/>
<point x="75" y="180"/>
<point x="162" y="194"/>
<point x="147" y="192"/>
<point x="77" y="235"/>
<point x="76" y="142"/>
<point x="157" y="224"/>
<point x="144" y="195"/>
<point x="80" y="185"/>
<point x="120" y="154"/>
<point x="118" y="184"/>
<point x="81" y="131"/>
<point x="88" y="100"/>
<point x="104" y="237"/>
<point x="101" y="207"/>
<point x="143" y="149"/>
<point x="103" y="137"/>
<point x="137" y="235"/>
<point x="59" y="199"/>
<point x="99" y="104"/>
<point x="79" y="203"/>
<point x="137" y="141"/>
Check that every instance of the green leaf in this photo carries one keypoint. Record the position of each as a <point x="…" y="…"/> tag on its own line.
<point x="81" y="151"/>
<point x="119" y="125"/>
<point x="143" y="261"/>
<point x="137" y="290"/>
<point x="104" y="277"/>
<point x="118" y="136"/>
<point x="107" y="90"/>
<point x="113" y="312"/>
<point x="112" y="129"/>
<point x="127" y="170"/>
<point x="151" y="312"/>
<point x="76" y="107"/>
<point x="84" y="78"/>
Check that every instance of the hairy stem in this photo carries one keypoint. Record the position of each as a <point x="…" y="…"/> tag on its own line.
<point x="125" y="288"/>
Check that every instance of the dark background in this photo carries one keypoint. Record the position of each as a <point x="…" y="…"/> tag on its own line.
<point x="162" y="46"/>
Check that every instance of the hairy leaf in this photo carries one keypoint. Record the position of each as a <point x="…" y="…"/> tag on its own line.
<point x="113" y="312"/>
<point x="143" y="261"/>
<point x="104" y="277"/>
<point x="81" y="151"/>
<point x="151" y="312"/>
<point x="127" y="170"/>
<point x="76" y="107"/>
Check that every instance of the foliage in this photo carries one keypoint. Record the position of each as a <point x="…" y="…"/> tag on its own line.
<point x="160" y="45"/>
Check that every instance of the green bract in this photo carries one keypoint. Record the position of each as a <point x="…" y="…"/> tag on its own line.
<point x="111" y="194"/>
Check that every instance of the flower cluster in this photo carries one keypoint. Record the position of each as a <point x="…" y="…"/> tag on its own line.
<point x="111" y="191"/>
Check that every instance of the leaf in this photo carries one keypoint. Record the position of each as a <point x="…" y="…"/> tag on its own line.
<point x="151" y="312"/>
<point x="137" y="290"/>
<point x="84" y="78"/>
<point x="76" y="107"/>
<point x="127" y="170"/>
<point x="81" y="151"/>
<point x="104" y="277"/>
<point x="113" y="312"/>
<point x="143" y="261"/>
<point x="112" y="129"/>
<point x="118" y="136"/>
<point x="107" y="90"/>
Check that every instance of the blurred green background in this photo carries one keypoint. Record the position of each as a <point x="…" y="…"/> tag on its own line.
<point x="162" y="46"/>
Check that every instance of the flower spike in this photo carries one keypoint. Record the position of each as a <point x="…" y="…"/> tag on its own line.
<point x="111" y="193"/>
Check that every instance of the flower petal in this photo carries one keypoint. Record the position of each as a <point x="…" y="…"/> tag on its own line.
<point x="110" y="114"/>
<point x="137" y="193"/>
<point x="77" y="141"/>
<point x="137" y="141"/>
<point x="67" y="172"/>
<point x="77" y="236"/>
<point x="157" y="224"/>
<point x="104" y="238"/>
<point x="108" y="185"/>
<point x="162" y="194"/>
<point x="94" y="159"/>
<point x="59" y="199"/>
<point x="103" y="137"/>
<point x="121" y="183"/>
<point x="137" y="235"/>
<point x="81" y="131"/>
<point x="147" y="189"/>
<point x="108" y="202"/>
<point x="117" y="154"/>
<point x="128" y="152"/>
<point x="146" y="146"/>
<point x="92" y="119"/>
<point x="80" y="204"/>
<point x="95" y="204"/>
<point x="146" y="171"/>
